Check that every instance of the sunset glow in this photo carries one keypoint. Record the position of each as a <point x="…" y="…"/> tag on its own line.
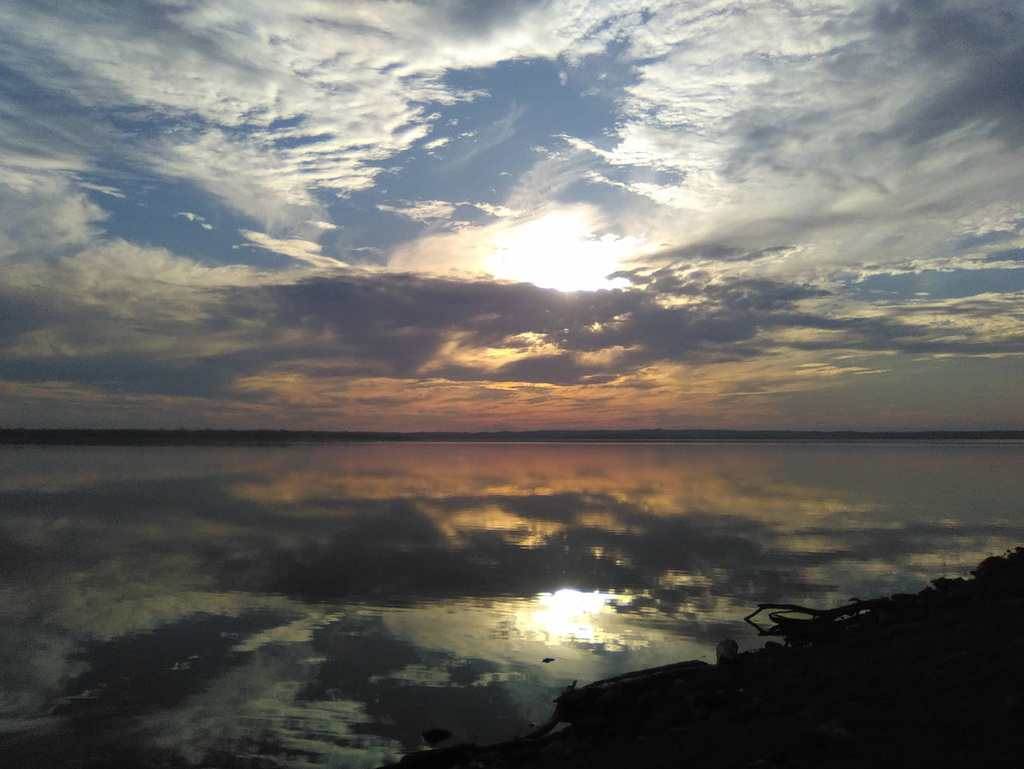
<point x="417" y="216"/>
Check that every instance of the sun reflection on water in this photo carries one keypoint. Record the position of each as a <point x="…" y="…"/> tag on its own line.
<point x="569" y="615"/>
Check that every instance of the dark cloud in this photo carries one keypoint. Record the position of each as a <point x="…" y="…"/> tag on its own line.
<point x="774" y="139"/>
<point x="953" y="65"/>
<point x="950" y="31"/>
<point x="563" y="369"/>
<point x="126" y="372"/>
<point x="475" y="19"/>
<point x="949" y="284"/>
<point x="979" y="49"/>
<point x="400" y="326"/>
<point x="400" y="322"/>
<point x="703" y="252"/>
<point x="1008" y="255"/>
<point x="18" y="315"/>
<point x="989" y="95"/>
<point x="47" y="125"/>
<point x="899" y="333"/>
<point x="397" y="324"/>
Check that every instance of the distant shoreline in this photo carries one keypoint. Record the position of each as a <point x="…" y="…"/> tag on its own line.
<point x="142" y="437"/>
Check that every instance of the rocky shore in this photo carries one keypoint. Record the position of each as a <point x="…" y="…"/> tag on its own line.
<point x="933" y="679"/>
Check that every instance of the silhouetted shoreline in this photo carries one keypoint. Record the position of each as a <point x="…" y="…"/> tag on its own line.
<point x="141" y="437"/>
<point x="930" y="679"/>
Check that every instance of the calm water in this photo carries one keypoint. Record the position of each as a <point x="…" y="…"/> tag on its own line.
<point x="327" y="603"/>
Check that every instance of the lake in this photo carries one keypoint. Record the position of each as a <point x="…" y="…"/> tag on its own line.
<point x="324" y="604"/>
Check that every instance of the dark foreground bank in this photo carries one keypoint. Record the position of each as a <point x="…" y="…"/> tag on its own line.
<point x="934" y="679"/>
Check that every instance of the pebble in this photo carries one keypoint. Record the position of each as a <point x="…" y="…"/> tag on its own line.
<point x="726" y="651"/>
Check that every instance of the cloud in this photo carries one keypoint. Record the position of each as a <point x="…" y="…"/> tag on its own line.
<point x="789" y="111"/>
<point x="252" y="116"/>
<point x="105" y="189"/>
<point x="148" y="328"/>
<point x="503" y="129"/>
<point x="976" y="48"/>
<point x="487" y="331"/>
<point x="425" y="211"/>
<point x="802" y="124"/>
<point x="44" y="213"/>
<point x="745" y="181"/>
<point x="303" y="250"/>
<point x="115" y="312"/>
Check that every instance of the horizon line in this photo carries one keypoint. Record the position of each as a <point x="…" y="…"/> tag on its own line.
<point x="178" y="436"/>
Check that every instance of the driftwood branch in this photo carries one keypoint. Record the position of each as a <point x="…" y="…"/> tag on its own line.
<point x="799" y="624"/>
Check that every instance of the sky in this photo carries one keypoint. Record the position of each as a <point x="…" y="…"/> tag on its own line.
<point x="461" y="215"/>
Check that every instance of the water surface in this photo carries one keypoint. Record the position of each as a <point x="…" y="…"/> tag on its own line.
<point x="325" y="603"/>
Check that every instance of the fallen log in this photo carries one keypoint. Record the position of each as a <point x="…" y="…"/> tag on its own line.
<point x="802" y="624"/>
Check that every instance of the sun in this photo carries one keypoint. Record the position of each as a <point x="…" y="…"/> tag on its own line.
<point x="561" y="251"/>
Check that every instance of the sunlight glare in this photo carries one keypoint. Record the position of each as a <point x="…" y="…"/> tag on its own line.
<point x="560" y="251"/>
<point x="567" y="614"/>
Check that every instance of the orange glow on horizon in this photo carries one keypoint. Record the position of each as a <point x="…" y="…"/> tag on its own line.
<point x="613" y="479"/>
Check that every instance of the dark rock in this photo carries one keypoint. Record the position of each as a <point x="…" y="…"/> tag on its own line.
<point x="440" y="758"/>
<point x="659" y="722"/>
<point x="612" y="698"/>
<point x="679" y="687"/>
<point x="833" y="732"/>
<point x="591" y="725"/>
<point x="726" y="651"/>
<point x="678" y="734"/>
<point x="435" y="736"/>
<point x="648" y="700"/>
<point x="554" y="750"/>
<point x="719" y="716"/>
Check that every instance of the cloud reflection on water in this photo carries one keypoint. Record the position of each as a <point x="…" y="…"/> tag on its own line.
<point x="398" y="583"/>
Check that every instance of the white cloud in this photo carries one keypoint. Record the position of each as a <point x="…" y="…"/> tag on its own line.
<point x="779" y="124"/>
<point x="437" y="143"/>
<point x="500" y="212"/>
<point x="269" y="104"/>
<point x="425" y="211"/>
<point x="116" y="298"/>
<point x="43" y="212"/>
<point x="196" y="218"/>
<point x="105" y="189"/>
<point x="503" y="129"/>
<point x="303" y="250"/>
<point x="462" y="251"/>
<point x="776" y="109"/>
